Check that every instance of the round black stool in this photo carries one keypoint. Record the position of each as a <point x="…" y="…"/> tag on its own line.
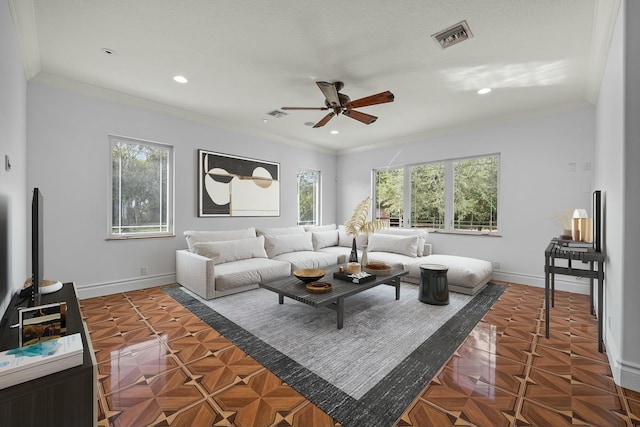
<point x="434" y="288"/>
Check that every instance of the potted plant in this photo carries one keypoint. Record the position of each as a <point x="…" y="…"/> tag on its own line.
<point x="359" y="223"/>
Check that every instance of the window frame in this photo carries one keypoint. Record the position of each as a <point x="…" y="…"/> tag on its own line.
<point x="317" y="196"/>
<point x="449" y="214"/>
<point x="170" y="210"/>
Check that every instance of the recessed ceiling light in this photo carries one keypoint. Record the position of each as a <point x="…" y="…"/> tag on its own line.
<point x="484" y="91"/>
<point x="265" y="120"/>
<point x="334" y="132"/>
<point x="180" y="79"/>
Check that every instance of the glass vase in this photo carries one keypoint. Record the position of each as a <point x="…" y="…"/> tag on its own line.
<point x="365" y="258"/>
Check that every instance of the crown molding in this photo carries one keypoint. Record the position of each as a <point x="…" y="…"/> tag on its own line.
<point x="24" y="19"/>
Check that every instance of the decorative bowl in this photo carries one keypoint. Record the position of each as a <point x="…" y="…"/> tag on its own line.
<point x="308" y="275"/>
<point x="378" y="268"/>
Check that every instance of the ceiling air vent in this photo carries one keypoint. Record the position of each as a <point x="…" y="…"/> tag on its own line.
<point x="277" y="114"/>
<point x="453" y="35"/>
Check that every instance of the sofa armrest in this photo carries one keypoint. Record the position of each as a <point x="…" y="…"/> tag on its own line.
<point x="195" y="273"/>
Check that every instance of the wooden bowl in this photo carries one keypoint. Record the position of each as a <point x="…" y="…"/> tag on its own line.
<point x="308" y="275"/>
<point x="378" y="268"/>
<point x="319" y="287"/>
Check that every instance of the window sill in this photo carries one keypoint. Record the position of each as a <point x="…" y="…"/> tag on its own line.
<point x="467" y="233"/>
<point x="133" y="237"/>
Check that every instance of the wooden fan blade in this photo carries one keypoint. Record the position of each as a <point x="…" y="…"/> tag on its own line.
<point x="324" y="120"/>
<point x="330" y="93"/>
<point x="367" y="119"/>
<point x="304" y="108"/>
<point x="378" y="98"/>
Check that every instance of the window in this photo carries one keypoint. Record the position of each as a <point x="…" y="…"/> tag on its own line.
<point x="427" y="196"/>
<point x="141" y="188"/>
<point x="475" y="194"/>
<point x="451" y="195"/>
<point x="389" y="196"/>
<point x="308" y="197"/>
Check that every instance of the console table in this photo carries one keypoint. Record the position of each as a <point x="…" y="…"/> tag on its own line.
<point x="593" y="258"/>
<point x="64" y="398"/>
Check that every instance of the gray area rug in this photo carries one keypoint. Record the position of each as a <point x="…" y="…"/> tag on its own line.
<point x="365" y="402"/>
<point x="379" y="332"/>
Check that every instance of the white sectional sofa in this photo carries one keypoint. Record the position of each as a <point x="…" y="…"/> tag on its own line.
<point x="407" y="249"/>
<point x="219" y="263"/>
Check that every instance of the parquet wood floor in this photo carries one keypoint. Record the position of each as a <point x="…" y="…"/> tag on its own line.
<point x="160" y="365"/>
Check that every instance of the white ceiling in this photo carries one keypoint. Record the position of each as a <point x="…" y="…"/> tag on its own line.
<point x="246" y="58"/>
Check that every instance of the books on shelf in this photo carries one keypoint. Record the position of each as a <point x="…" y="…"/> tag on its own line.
<point x="573" y="243"/>
<point x="576" y="249"/>
<point x="23" y="364"/>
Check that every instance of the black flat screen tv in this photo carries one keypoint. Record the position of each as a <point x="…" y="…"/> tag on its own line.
<point x="37" y="260"/>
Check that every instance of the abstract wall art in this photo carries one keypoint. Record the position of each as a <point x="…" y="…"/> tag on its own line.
<point x="237" y="186"/>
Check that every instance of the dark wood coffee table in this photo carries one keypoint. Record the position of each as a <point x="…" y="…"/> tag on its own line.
<point x="293" y="288"/>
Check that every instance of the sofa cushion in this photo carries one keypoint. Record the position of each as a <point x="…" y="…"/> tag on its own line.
<point x="194" y="237"/>
<point x="308" y="259"/>
<point x="278" y="231"/>
<point x="392" y="259"/>
<point x="322" y="239"/>
<point x="345" y="239"/>
<point x="420" y="232"/>
<point x="285" y="243"/>
<point x="320" y="227"/>
<point x="404" y="245"/>
<point x="342" y="253"/>
<point x="249" y="272"/>
<point x="232" y="250"/>
<point x="465" y="275"/>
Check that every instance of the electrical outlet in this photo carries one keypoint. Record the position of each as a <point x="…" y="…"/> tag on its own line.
<point x="144" y="271"/>
<point x="572" y="167"/>
<point x="587" y="166"/>
<point x="496" y="265"/>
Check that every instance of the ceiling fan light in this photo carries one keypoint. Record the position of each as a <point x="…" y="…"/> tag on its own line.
<point x="334" y="132"/>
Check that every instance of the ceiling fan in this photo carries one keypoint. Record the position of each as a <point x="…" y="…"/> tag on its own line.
<point x="341" y="103"/>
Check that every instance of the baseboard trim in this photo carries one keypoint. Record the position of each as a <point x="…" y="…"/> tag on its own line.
<point x="625" y="374"/>
<point x="125" y="285"/>
<point x="578" y="285"/>
<point x="562" y="283"/>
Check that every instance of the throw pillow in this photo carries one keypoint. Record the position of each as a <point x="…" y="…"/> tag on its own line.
<point x="404" y="245"/>
<point x="232" y="250"/>
<point x="320" y="227"/>
<point x="420" y="232"/>
<point x="285" y="243"/>
<point x="346" y="240"/>
<point x="278" y="231"/>
<point x="322" y="239"/>
<point x="194" y="237"/>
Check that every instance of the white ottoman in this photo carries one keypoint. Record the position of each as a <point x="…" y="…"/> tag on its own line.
<point x="465" y="275"/>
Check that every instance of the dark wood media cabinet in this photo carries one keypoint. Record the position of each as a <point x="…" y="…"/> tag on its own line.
<point x="65" y="398"/>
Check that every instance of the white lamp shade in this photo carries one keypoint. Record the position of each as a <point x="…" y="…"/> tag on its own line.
<point x="580" y="213"/>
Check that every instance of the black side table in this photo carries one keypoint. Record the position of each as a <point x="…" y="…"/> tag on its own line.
<point x="434" y="288"/>
<point x="556" y="251"/>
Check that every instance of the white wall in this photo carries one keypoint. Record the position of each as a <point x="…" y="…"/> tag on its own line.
<point x="13" y="142"/>
<point x="631" y="284"/>
<point x="535" y="183"/>
<point x="69" y="159"/>
<point x="617" y="156"/>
